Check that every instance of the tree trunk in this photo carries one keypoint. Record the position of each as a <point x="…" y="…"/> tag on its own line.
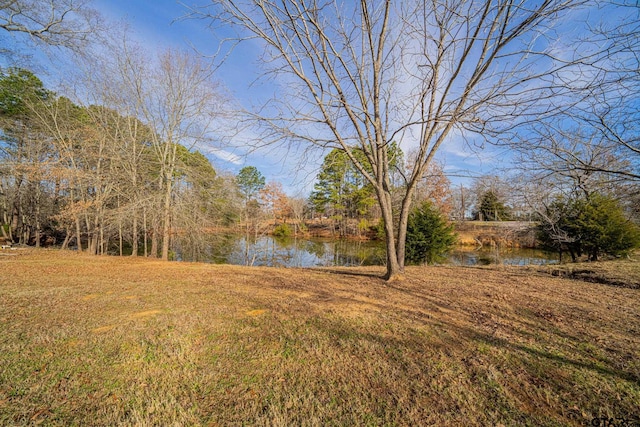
<point x="67" y="238"/>
<point x="402" y="236"/>
<point x="153" y="253"/>
<point x="145" y="231"/>
<point x="26" y="235"/>
<point x="166" y="220"/>
<point x="120" y="235"/>
<point x="134" y="232"/>
<point x="92" y="246"/>
<point x="5" y="220"/>
<point x="403" y="221"/>
<point x="97" y="233"/>
<point x="103" y="243"/>
<point x="394" y="268"/>
<point x="37" y="215"/>
<point x="90" y="233"/>
<point x="78" y="234"/>
<point x="15" y="220"/>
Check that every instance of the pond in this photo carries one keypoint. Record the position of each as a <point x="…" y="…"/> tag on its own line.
<point x="314" y="252"/>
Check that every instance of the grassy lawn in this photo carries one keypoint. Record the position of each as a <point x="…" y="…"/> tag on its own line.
<point x="113" y="341"/>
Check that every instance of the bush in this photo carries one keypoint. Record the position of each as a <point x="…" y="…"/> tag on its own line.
<point x="303" y="227"/>
<point x="429" y="235"/>
<point x="593" y="226"/>
<point x="363" y="225"/>
<point x="282" y="230"/>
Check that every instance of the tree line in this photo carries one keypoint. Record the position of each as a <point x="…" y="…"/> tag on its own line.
<point x="92" y="178"/>
<point x="363" y="75"/>
<point x="413" y="75"/>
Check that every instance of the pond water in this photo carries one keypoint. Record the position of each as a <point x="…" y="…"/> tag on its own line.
<point x="310" y="252"/>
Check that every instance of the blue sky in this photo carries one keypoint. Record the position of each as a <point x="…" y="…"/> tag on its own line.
<point x="156" y="26"/>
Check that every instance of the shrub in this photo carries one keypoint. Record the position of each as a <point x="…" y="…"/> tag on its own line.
<point x="303" y="227"/>
<point x="429" y="235"/>
<point x="593" y="226"/>
<point x="282" y="230"/>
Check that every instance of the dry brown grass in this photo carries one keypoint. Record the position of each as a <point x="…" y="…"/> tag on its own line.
<point x="624" y="273"/>
<point x="112" y="341"/>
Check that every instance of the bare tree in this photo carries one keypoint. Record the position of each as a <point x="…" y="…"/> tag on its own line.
<point x="609" y="117"/>
<point x="595" y="143"/>
<point x="177" y="98"/>
<point x="60" y="23"/>
<point x="110" y="83"/>
<point x="299" y="207"/>
<point x="79" y="168"/>
<point x="572" y="160"/>
<point x="591" y="148"/>
<point x="462" y="198"/>
<point x="435" y="187"/>
<point x="363" y="74"/>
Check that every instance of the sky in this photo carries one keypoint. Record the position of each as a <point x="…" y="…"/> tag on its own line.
<point x="156" y="26"/>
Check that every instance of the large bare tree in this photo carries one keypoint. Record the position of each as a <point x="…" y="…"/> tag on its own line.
<point x="594" y="145"/>
<point x="111" y="80"/>
<point x="600" y="141"/>
<point x="366" y="73"/>
<point x="60" y="23"/>
<point x="177" y="98"/>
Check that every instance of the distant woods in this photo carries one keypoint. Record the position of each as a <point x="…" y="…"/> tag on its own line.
<point x="97" y="180"/>
<point x="114" y="163"/>
<point x="91" y="178"/>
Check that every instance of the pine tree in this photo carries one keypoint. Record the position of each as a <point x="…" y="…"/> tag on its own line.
<point x="429" y="235"/>
<point x="593" y="226"/>
<point x="492" y="208"/>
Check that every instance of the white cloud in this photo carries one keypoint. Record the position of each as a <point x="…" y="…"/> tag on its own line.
<point x="227" y="156"/>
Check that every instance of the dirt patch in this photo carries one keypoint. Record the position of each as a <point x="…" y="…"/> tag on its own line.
<point x="620" y="273"/>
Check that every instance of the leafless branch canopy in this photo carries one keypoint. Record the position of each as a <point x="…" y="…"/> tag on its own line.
<point x="366" y="73"/>
<point x="61" y="23"/>
<point x="597" y="138"/>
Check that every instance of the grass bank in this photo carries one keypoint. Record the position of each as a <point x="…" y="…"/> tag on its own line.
<point x="111" y="341"/>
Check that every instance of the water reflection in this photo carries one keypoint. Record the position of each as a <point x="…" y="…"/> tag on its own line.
<point x="293" y="252"/>
<point x="503" y="257"/>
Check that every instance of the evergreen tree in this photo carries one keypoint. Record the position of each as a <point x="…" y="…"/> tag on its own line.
<point x="250" y="182"/>
<point x="429" y="235"/>
<point x="342" y="191"/>
<point x="341" y="188"/>
<point x="492" y="208"/>
<point x="594" y="226"/>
